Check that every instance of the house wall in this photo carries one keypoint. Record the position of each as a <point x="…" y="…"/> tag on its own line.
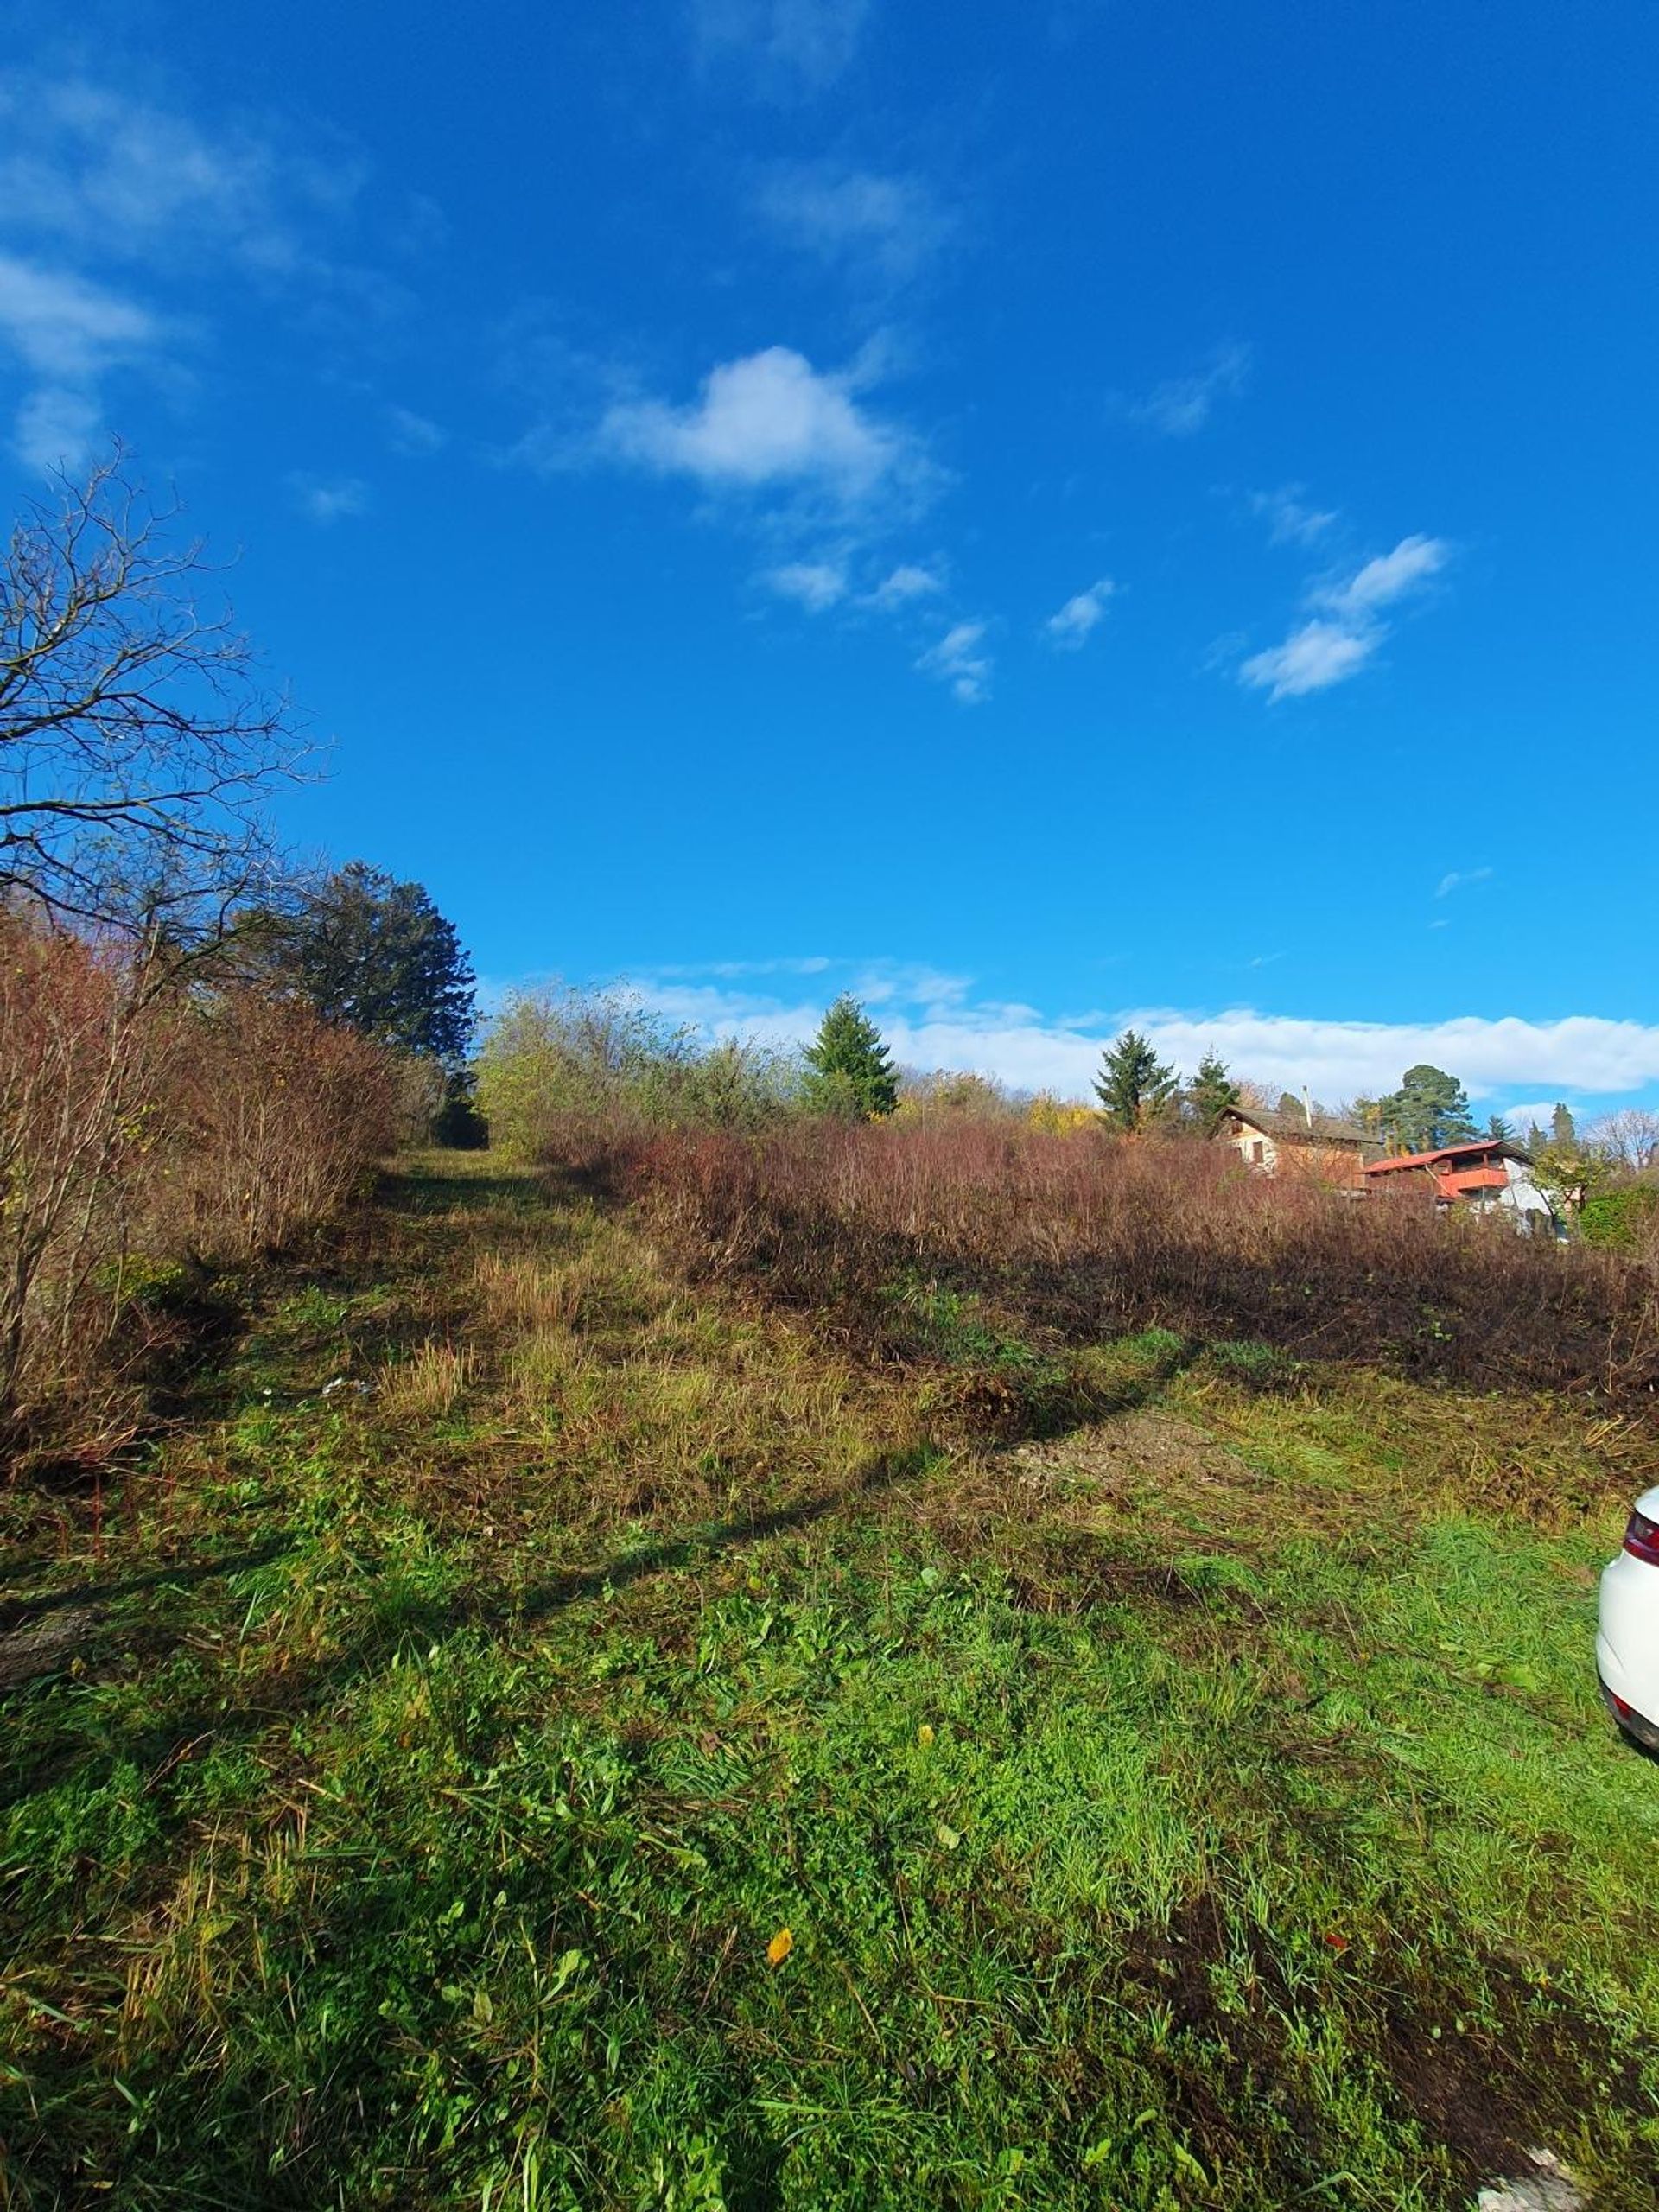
<point x="1245" y="1141"/>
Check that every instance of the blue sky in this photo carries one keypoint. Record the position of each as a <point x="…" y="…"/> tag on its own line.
<point x="1048" y="516"/>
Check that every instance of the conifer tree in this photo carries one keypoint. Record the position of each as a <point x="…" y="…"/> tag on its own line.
<point x="1430" y="1109"/>
<point x="1134" y="1085"/>
<point x="1563" y="1133"/>
<point x="849" y="1072"/>
<point x="1211" y="1093"/>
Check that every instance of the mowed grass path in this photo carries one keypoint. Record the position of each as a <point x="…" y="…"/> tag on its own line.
<point x="621" y="1758"/>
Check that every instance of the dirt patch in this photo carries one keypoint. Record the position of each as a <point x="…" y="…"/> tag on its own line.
<point x="1482" y="2086"/>
<point x="43" y="1647"/>
<point x="1117" y="1456"/>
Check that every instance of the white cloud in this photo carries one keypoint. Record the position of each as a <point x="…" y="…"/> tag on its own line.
<point x="1338" y="642"/>
<point x="935" y="1020"/>
<point x="67" y="334"/>
<point x="770" y="418"/>
<point x="94" y="180"/>
<point x="1183" y="406"/>
<point x="815" y="585"/>
<point x="413" y="434"/>
<point x="907" y="583"/>
<point x="1458" y="877"/>
<point x="327" y="499"/>
<point x="101" y="169"/>
<point x="1080" y="615"/>
<point x="1318" y="654"/>
<point x="790" y="45"/>
<point x="1386" y="578"/>
<point x="959" y="660"/>
<point x="55" y="429"/>
<point x="1290" y="520"/>
<point x="884" y="227"/>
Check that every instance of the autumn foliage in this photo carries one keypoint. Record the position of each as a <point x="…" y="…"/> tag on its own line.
<point x="1081" y="1237"/>
<point x="150" y="1128"/>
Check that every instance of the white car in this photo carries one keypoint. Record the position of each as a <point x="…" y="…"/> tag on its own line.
<point x="1627" y="1636"/>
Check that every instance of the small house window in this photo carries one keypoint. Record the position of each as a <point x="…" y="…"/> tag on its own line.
<point x="1258" y="1153"/>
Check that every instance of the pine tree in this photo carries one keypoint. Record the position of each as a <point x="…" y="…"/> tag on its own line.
<point x="1430" y="1110"/>
<point x="1134" y="1085"/>
<point x="1499" y="1130"/>
<point x="850" y="1074"/>
<point x="374" y="955"/>
<point x="1211" y="1093"/>
<point x="1563" y="1133"/>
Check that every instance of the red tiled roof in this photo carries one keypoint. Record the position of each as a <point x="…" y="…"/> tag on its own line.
<point x="1444" y="1159"/>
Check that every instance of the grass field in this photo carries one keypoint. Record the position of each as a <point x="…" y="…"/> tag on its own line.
<point x="642" y="1751"/>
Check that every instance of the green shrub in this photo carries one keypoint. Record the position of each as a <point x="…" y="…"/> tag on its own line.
<point x="1618" y="1220"/>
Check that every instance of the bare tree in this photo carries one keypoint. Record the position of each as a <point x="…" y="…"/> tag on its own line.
<point x="137" y="743"/>
<point x="1628" y="1138"/>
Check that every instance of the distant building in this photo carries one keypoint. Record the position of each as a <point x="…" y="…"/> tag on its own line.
<point x="1486" y="1175"/>
<point x="1276" y="1141"/>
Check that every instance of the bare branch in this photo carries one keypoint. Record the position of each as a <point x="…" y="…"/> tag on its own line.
<point x="138" y="744"/>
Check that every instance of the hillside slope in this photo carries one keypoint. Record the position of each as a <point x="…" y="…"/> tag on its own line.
<point x="539" y="1732"/>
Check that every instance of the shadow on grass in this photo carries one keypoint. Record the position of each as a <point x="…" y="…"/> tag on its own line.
<point x="15" y="1611"/>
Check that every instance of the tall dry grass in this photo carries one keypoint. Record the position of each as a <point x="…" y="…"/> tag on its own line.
<point x="1086" y="1238"/>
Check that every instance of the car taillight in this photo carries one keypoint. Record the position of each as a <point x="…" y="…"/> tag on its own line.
<point x="1642" y="1539"/>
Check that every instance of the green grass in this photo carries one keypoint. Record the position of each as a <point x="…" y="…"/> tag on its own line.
<point x="1208" y="1806"/>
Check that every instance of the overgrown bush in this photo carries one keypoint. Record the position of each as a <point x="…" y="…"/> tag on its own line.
<point x="145" y="1122"/>
<point x="553" y="1059"/>
<point x="1082" y="1241"/>
<point x="1624" y="1219"/>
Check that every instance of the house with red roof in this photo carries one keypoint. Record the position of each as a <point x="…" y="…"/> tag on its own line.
<point x="1485" y="1174"/>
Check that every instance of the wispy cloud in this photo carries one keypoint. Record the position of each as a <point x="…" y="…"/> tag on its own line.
<point x="109" y="202"/>
<point x="907" y="582"/>
<point x="768" y="419"/>
<point x="960" y="659"/>
<point x="412" y="433"/>
<point x="1458" y="877"/>
<point x="1312" y="657"/>
<point x="1386" y="579"/>
<point x="1290" y="520"/>
<point x="882" y="229"/>
<point x="1183" y="405"/>
<point x="67" y="334"/>
<point x="788" y="47"/>
<point x="327" y="499"/>
<point x="816" y="585"/>
<point x="1339" y="640"/>
<point x="1081" y="615"/>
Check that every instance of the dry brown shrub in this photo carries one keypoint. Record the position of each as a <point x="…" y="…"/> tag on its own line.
<point x="147" y="1129"/>
<point x="278" y="1120"/>
<point x="1086" y="1237"/>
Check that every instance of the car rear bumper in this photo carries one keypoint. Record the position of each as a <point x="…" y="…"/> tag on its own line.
<point x="1627" y="1646"/>
<point x="1636" y="1723"/>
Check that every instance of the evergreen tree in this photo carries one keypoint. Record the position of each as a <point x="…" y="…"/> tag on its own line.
<point x="1563" y="1133"/>
<point x="1430" y="1109"/>
<point x="1499" y="1130"/>
<point x="1211" y="1093"/>
<point x="1134" y="1085"/>
<point x="849" y="1073"/>
<point x="376" y="955"/>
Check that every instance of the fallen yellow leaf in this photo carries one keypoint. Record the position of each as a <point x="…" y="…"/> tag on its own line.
<point x="780" y="1946"/>
<point x="924" y="1734"/>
